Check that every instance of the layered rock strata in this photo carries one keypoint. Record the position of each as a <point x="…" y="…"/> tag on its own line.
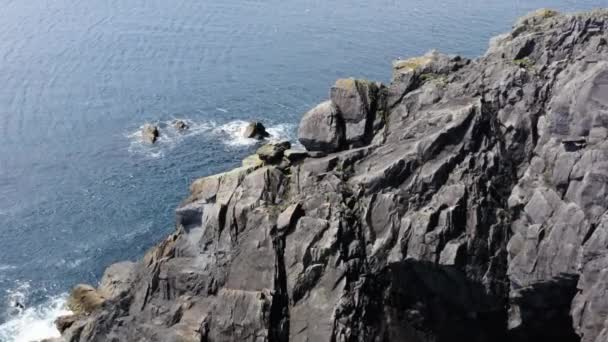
<point x="464" y="201"/>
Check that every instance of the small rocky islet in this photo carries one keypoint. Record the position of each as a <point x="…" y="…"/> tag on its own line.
<point x="464" y="201"/>
<point x="150" y="132"/>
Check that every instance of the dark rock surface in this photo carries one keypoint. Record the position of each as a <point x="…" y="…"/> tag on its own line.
<point x="322" y="128"/>
<point x="465" y="201"/>
<point x="255" y="130"/>
<point x="149" y="133"/>
<point x="357" y="102"/>
<point x="180" y="125"/>
<point x="85" y="299"/>
<point x="273" y="153"/>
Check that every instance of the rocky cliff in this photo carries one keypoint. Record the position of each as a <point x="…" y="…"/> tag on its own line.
<point x="464" y="201"/>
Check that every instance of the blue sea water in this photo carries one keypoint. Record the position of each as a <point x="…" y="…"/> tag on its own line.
<point x="79" y="191"/>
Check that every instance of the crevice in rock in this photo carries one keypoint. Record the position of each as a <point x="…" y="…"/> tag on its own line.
<point x="526" y="50"/>
<point x="592" y="228"/>
<point x="279" y="309"/>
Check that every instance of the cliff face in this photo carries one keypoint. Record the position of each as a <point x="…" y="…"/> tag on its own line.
<point x="465" y="201"/>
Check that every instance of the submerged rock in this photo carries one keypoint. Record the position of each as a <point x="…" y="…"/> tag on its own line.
<point x="255" y="130"/>
<point x="150" y="133"/>
<point x="180" y="125"/>
<point x="465" y="201"/>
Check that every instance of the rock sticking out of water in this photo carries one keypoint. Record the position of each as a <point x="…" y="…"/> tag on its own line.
<point x="255" y="130"/>
<point x="150" y="133"/>
<point x="451" y="205"/>
<point x="180" y="125"/>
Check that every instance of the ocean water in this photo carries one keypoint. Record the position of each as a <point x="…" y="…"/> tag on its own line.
<point x="79" y="191"/>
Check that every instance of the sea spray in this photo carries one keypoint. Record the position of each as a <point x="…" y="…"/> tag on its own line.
<point x="229" y="134"/>
<point x="26" y="324"/>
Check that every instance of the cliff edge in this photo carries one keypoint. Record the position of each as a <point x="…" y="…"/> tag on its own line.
<point x="464" y="201"/>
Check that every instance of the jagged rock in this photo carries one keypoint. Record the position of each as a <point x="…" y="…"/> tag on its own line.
<point x="255" y="130"/>
<point x="289" y="217"/>
<point x="295" y="155"/>
<point x="411" y="73"/>
<point x="316" y="154"/>
<point x="356" y="101"/>
<point x="476" y="212"/>
<point x="534" y="18"/>
<point x="219" y="187"/>
<point x="117" y="279"/>
<point x="322" y="128"/>
<point x="453" y="254"/>
<point x="253" y="161"/>
<point x="150" y="133"/>
<point x="63" y="323"/>
<point x="273" y="153"/>
<point x="85" y="299"/>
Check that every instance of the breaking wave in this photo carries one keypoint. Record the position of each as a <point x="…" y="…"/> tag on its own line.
<point x="27" y="324"/>
<point x="230" y="134"/>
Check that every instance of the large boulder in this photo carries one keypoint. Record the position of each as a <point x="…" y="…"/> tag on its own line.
<point x="356" y="101"/>
<point x="322" y="128"/>
<point x="273" y="153"/>
<point x="255" y="130"/>
<point x="295" y="155"/>
<point x="149" y="133"/>
<point x="85" y="299"/>
<point x="116" y="279"/>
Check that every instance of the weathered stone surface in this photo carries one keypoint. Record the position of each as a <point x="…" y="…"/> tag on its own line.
<point x="289" y="217"/>
<point x="296" y="155"/>
<point x="322" y="128"/>
<point x="149" y="133"/>
<point x="63" y="323"/>
<point x="476" y="212"/>
<point x="180" y="125"/>
<point x="316" y="154"/>
<point x="255" y="130"/>
<point x="253" y="161"/>
<point x="273" y="153"/>
<point x="85" y="299"/>
<point x="117" y="279"/>
<point x="409" y="74"/>
<point x="357" y="101"/>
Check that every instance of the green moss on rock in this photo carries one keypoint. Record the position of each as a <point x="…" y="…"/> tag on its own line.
<point x="525" y="63"/>
<point x="411" y="64"/>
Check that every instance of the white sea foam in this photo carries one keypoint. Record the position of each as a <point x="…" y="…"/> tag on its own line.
<point x="27" y="324"/>
<point x="169" y="137"/>
<point x="6" y="267"/>
<point x="233" y="133"/>
<point x="281" y="132"/>
<point x="70" y="263"/>
<point x="230" y="134"/>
